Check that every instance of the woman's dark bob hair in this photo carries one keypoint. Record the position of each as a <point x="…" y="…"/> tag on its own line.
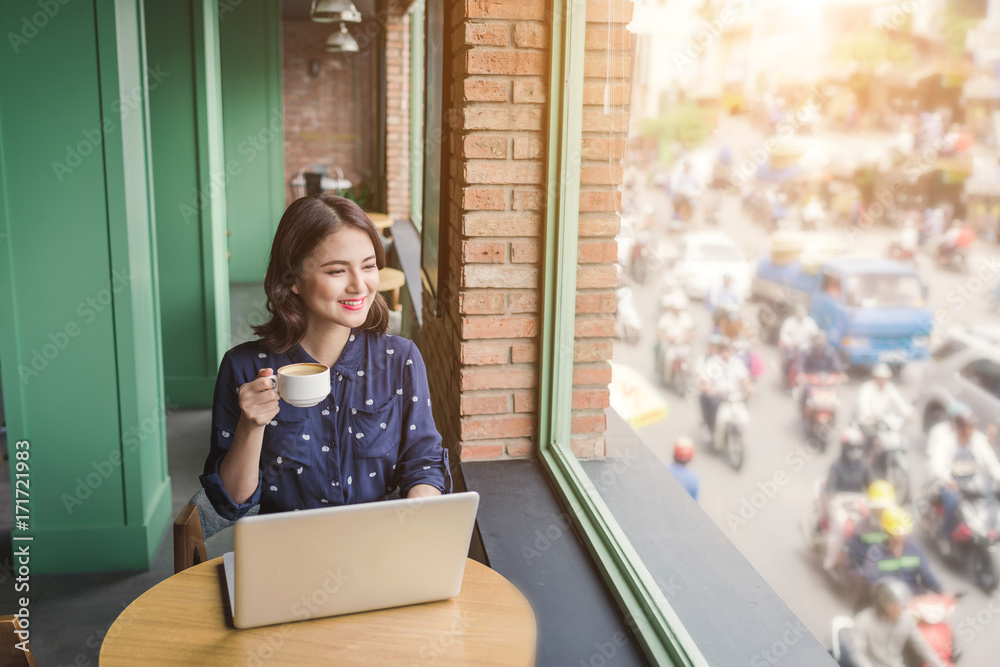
<point x="305" y="224"/>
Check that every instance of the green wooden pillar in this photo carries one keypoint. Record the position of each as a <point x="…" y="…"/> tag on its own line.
<point x="79" y="314"/>
<point x="250" y="46"/>
<point x="190" y="179"/>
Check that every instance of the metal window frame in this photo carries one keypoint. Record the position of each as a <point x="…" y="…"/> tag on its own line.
<point x="656" y="626"/>
<point x="417" y="69"/>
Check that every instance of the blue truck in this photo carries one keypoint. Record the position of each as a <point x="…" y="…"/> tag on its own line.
<point x="872" y="309"/>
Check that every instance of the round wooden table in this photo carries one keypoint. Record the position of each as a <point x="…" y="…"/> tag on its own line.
<point x="381" y="220"/>
<point x="390" y="280"/>
<point x="185" y="620"/>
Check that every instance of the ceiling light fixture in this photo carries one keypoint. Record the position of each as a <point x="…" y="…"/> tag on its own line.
<point x="332" y="11"/>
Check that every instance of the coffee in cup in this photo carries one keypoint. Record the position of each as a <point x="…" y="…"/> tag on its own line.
<point x="303" y="385"/>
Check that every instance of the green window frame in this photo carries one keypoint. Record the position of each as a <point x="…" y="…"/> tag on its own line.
<point x="656" y="625"/>
<point x="417" y="69"/>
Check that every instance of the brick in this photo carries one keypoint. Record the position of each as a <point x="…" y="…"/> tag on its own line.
<point x="596" y="252"/>
<point x="524" y="302"/>
<point x="590" y="326"/>
<point x="527" y="148"/>
<point x="599" y="276"/>
<point x="484" y="252"/>
<point x="524" y="252"/>
<point x="592" y="374"/>
<point x="595" y="148"/>
<point x="531" y="35"/>
<point x="601" y="92"/>
<point x="507" y="277"/>
<point x="529" y="91"/>
<point x="600" y="200"/>
<point x="506" y="118"/>
<point x="607" y="11"/>
<point x="479" y="146"/>
<point x="499" y="327"/>
<point x="592" y="350"/>
<point x="481" y="90"/>
<point x="591" y="399"/>
<point x="486" y="34"/>
<point x="481" y="452"/>
<point x="587" y="448"/>
<point x="599" y="227"/>
<point x="528" y="200"/>
<point x="481" y="303"/>
<point x="490" y="224"/>
<point x="595" y="303"/>
<point x="485" y="404"/>
<point x="503" y="173"/>
<point x="601" y="174"/>
<point x="484" y="354"/>
<point x="522" y="10"/>
<point x="512" y="377"/>
<point x="519" y="448"/>
<point x="597" y="64"/>
<point x="524" y="353"/>
<point x="489" y="428"/>
<point x="525" y="401"/>
<point x="601" y="37"/>
<point x="583" y="424"/>
<point x="484" y="199"/>
<point x="596" y="120"/>
<point x="513" y="63"/>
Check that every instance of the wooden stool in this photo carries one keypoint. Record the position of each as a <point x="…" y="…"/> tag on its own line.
<point x="390" y="280"/>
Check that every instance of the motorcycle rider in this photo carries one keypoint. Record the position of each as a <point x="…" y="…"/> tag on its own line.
<point x="821" y="358"/>
<point x="849" y="476"/>
<point x="723" y="296"/>
<point x="899" y="555"/>
<point x="869" y="531"/>
<point x="879" y="396"/>
<point x="683" y="452"/>
<point x="731" y="322"/>
<point x="795" y="335"/>
<point x="958" y="238"/>
<point x="961" y="446"/>
<point x="675" y="327"/>
<point x="887" y="631"/>
<point x="722" y="374"/>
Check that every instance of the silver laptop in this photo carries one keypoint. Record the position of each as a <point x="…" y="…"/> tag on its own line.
<point x="293" y="566"/>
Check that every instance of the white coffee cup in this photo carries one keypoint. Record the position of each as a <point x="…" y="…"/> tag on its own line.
<point x="303" y="385"/>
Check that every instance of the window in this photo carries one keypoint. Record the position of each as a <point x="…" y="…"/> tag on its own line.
<point x="984" y="374"/>
<point x="434" y="37"/>
<point x="947" y="349"/>
<point x="417" y="114"/>
<point x="831" y="285"/>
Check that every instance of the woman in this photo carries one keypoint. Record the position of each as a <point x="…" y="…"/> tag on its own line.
<point x="374" y="433"/>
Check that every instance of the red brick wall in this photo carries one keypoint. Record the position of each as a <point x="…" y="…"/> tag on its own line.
<point x="483" y="345"/>
<point x="329" y="118"/>
<point x="397" y="115"/>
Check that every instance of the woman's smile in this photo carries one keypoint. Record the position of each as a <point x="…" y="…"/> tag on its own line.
<point x="353" y="304"/>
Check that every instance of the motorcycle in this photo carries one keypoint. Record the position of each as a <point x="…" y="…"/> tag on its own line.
<point x="856" y="506"/>
<point x="730" y="428"/>
<point x="888" y="452"/>
<point x="955" y="258"/>
<point x="974" y="541"/>
<point x="819" y="410"/>
<point x="931" y="612"/>
<point x="897" y="252"/>
<point x="627" y="323"/>
<point x="674" y="365"/>
<point x="642" y="258"/>
<point x="752" y="360"/>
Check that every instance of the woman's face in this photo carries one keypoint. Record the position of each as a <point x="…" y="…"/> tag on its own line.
<point x="339" y="279"/>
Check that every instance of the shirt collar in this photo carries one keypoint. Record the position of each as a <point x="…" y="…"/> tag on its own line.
<point x="349" y="362"/>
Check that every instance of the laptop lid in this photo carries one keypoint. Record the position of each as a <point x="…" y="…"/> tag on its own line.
<point x="293" y="566"/>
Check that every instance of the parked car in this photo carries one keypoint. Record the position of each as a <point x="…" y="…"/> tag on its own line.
<point x="705" y="258"/>
<point x="966" y="367"/>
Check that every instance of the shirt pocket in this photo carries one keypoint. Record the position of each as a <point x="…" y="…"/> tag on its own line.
<point x="286" y="448"/>
<point x="374" y="431"/>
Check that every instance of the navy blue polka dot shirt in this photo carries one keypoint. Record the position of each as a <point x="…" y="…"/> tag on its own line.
<point x="373" y="434"/>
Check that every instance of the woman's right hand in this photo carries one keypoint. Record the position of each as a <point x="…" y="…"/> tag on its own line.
<point x="259" y="398"/>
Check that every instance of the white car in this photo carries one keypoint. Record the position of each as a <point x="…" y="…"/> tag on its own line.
<point x="706" y="258"/>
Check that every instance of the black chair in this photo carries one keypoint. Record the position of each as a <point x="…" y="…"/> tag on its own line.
<point x="314" y="183"/>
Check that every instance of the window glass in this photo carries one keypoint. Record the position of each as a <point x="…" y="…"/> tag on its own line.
<point x="985" y="374"/>
<point x="417" y="103"/>
<point x="947" y="349"/>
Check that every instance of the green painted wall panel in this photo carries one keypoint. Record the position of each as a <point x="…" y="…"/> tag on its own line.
<point x="79" y="327"/>
<point x="250" y="44"/>
<point x="187" y="151"/>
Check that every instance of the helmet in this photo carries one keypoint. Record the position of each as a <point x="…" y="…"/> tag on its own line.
<point x="683" y="450"/>
<point x="881" y="495"/>
<point x="820" y="338"/>
<point x="718" y="340"/>
<point x="732" y="312"/>
<point x="800" y="310"/>
<point x="852" y="437"/>
<point x="890" y="590"/>
<point x="955" y="408"/>
<point x="897" y="521"/>
<point x="881" y="370"/>
<point x="966" y="418"/>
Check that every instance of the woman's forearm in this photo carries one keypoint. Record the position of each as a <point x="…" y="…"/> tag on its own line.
<point x="240" y="466"/>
